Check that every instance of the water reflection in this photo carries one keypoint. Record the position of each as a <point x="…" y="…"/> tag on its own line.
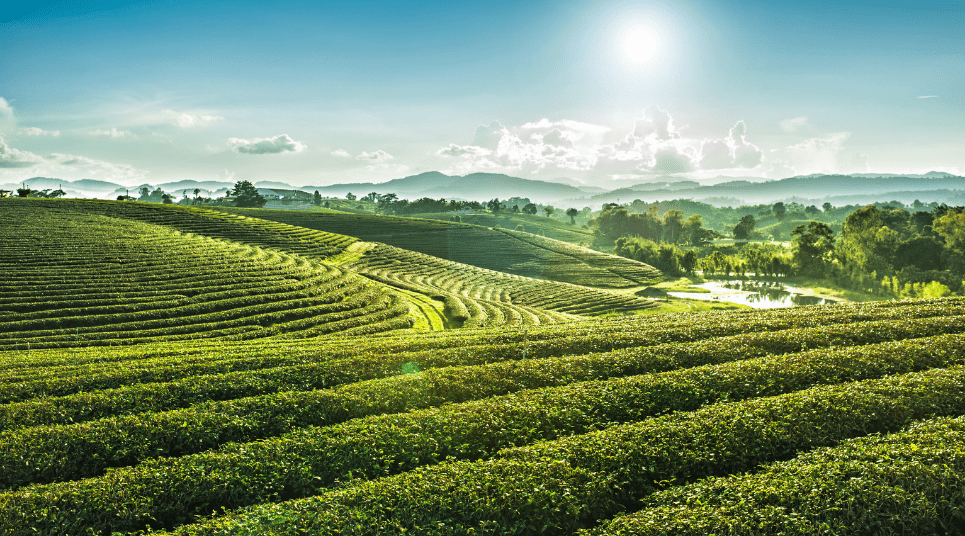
<point x="757" y="294"/>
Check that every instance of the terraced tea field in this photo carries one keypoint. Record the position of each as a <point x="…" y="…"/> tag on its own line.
<point x="188" y="372"/>
<point x="512" y="252"/>
<point x="244" y="304"/>
<point x="609" y="426"/>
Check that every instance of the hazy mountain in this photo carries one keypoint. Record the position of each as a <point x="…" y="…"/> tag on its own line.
<point x="838" y="189"/>
<point x="475" y="186"/>
<point x="858" y="189"/>
<point x="190" y="185"/>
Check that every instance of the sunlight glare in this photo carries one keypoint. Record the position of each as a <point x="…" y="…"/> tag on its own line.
<point x="639" y="44"/>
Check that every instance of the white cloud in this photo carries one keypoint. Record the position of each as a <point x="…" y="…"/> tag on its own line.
<point x="279" y="144"/>
<point x="816" y="155"/>
<point x="113" y="132"/>
<point x="731" y="152"/>
<point x="927" y="97"/>
<point x="378" y="156"/>
<point x="655" y="125"/>
<point x="34" y="131"/>
<point x="13" y="158"/>
<point x="463" y="150"/>
<point x="186" y="120"/>
<point x="654" y="146"/>
<point x="566" y="125"/>
<point x="8" y="122"/>
<point x="794" y="124"/>
<point x="341" y="153"/>
<point x="488" y="137"/>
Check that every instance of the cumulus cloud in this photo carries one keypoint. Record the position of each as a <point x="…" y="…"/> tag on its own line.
<point x="656" y="125"/>
<point x="732" y="152"/>
<point x="377" y="157"/>
<point x="34" y="131"/>
<point x="186" y="120"/>
<point x="794" y="124"/>
<point x="655" y="145"/>
<point x="13" y="158"/>
<point x="342" y="153"/>
<point x="279" y="144"/>
<point x="488" y="137"/>
<point x="113" y="132"/>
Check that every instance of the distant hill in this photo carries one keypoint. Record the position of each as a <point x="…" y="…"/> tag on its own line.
<point x="475" y="186"/>
<point x="858" y="189"/>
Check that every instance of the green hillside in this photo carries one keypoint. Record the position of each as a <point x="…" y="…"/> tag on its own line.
<point x="173" y="370"/>
<point x="75" y="279"/>
<point x="595" y="425"/>
<point x="373" y="287"/>
<point x="493" y="249"/>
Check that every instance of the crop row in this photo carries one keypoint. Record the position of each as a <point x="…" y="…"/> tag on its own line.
<point x="637" y="272"/>
<point x="910" y="482"/>
<point x="258" y="232"/>
<point x="243" y="307"/>
<point x="71" y="375"/>
<point x="551" y="487"/>
<point x="369" y="311"/>
<point x="48" y="453"/>
<point x="59" y="372"/>
<point x="476" y="246"/>
<point x="435" y="276"/>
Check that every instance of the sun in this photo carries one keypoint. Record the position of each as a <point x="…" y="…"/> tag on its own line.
<point x="639" y="44"/>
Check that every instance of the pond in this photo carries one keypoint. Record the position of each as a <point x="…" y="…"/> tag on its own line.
<point x="756" y="294"/>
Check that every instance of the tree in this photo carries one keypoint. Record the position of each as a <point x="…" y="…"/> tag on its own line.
<point x="197" y="191"/>
<point x="951" y="227"/>
<point x="145" y="192"/>
<point x="673" y="225"/>
<point x="350" y="196"/>
<point x="811" y="210"/>
<point x="385" y="202"/>
<point x="316" y="198"/>
<point x="549" y="211"/>
<point x="742" y="231"/>
<point x="811" y="247"/>
<point x="166" y="199"/>
<point x="827" y="207"/>
<point x="371" y="197"/>
<point x="530" y="209"/>
<point x="246" y="195"/>
<point x="779" y="210"/>
<point x="692" y="230"/>
<point x="494" y="206"/>
<point x="572" y="213"/>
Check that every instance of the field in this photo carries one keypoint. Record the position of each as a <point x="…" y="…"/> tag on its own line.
<point x="512" y="252"/>
<point x="184" y="377"/>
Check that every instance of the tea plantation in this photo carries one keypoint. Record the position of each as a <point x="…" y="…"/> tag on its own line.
<point x="197" y="372"/>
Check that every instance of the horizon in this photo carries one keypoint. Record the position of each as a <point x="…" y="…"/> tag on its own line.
<point x="600" y="92"/>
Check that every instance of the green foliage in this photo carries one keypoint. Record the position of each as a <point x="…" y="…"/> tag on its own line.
<point x="909" y="482"/>
<point x="743" y="230"/>
<point x="558" y="486"/>
<point x="246" y="195"/>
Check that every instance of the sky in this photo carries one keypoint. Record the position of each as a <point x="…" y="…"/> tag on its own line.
<point x="317" y="93"/>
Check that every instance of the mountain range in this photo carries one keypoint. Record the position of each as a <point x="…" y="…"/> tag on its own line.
<point x="838" y="189"/>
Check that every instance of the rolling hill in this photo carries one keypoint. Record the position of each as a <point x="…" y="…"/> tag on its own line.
<point x="201" y="372"/>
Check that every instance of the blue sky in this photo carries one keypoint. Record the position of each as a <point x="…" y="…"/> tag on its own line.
<point x="317" y="92"/>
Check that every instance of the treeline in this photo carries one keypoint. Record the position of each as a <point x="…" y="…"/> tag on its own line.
<point x="885" y="251"/>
